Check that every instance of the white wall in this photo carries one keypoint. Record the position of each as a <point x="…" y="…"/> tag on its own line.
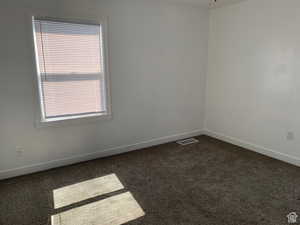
<point x="158" y="54"/>
<point x="253" y="82"/>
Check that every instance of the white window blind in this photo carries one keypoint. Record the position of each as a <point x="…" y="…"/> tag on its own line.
<point x="71" y="70"/>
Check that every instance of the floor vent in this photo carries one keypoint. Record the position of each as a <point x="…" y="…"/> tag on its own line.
<point x="187" y="141"/>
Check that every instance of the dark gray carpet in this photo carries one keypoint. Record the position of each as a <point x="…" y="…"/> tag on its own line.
<point x="208" y="183"/>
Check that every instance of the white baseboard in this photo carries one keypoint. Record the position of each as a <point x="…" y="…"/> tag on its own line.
<point x="259" y="149"/>
<point x="98" y="154"/>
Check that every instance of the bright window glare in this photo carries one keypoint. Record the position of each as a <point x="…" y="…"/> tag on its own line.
<point x="115" y="210"/>
<point x="88" y="189"/>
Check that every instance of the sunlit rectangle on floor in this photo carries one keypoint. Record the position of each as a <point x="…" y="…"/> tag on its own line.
<point x="88" y="189"/>
<point x="115" y="210"/>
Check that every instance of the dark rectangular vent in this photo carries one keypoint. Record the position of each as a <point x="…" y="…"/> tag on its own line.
<point x="187" y="141"/>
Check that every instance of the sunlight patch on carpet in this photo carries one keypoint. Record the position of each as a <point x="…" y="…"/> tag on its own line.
<point x="115" y="210"/>
<point x="84" y="190"/>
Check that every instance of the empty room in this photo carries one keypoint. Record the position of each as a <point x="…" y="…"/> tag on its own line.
<point x="149" y="112"/>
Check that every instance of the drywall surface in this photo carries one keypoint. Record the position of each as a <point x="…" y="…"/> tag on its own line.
<point x="253" y="82"/>
<point x="157" y="57"/>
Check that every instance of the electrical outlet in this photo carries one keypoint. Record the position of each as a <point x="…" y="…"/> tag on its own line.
<point x="290" y="136"/>
<point x="19" y="151"/>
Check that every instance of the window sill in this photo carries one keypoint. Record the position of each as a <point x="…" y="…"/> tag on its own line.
<point x="73" y="120"/>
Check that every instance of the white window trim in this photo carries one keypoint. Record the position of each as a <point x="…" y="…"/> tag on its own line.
<point x="76" y="119"/>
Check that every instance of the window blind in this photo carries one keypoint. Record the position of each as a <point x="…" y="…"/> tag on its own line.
<point x="71" y="68"/>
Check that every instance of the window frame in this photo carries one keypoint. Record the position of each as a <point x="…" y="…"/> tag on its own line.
<point x="42" y="120"/>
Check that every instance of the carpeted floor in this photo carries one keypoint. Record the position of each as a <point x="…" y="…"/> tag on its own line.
<point x="208" y="183"/>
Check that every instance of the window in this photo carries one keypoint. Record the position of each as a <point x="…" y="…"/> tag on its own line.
<point x="70" y="60"/>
